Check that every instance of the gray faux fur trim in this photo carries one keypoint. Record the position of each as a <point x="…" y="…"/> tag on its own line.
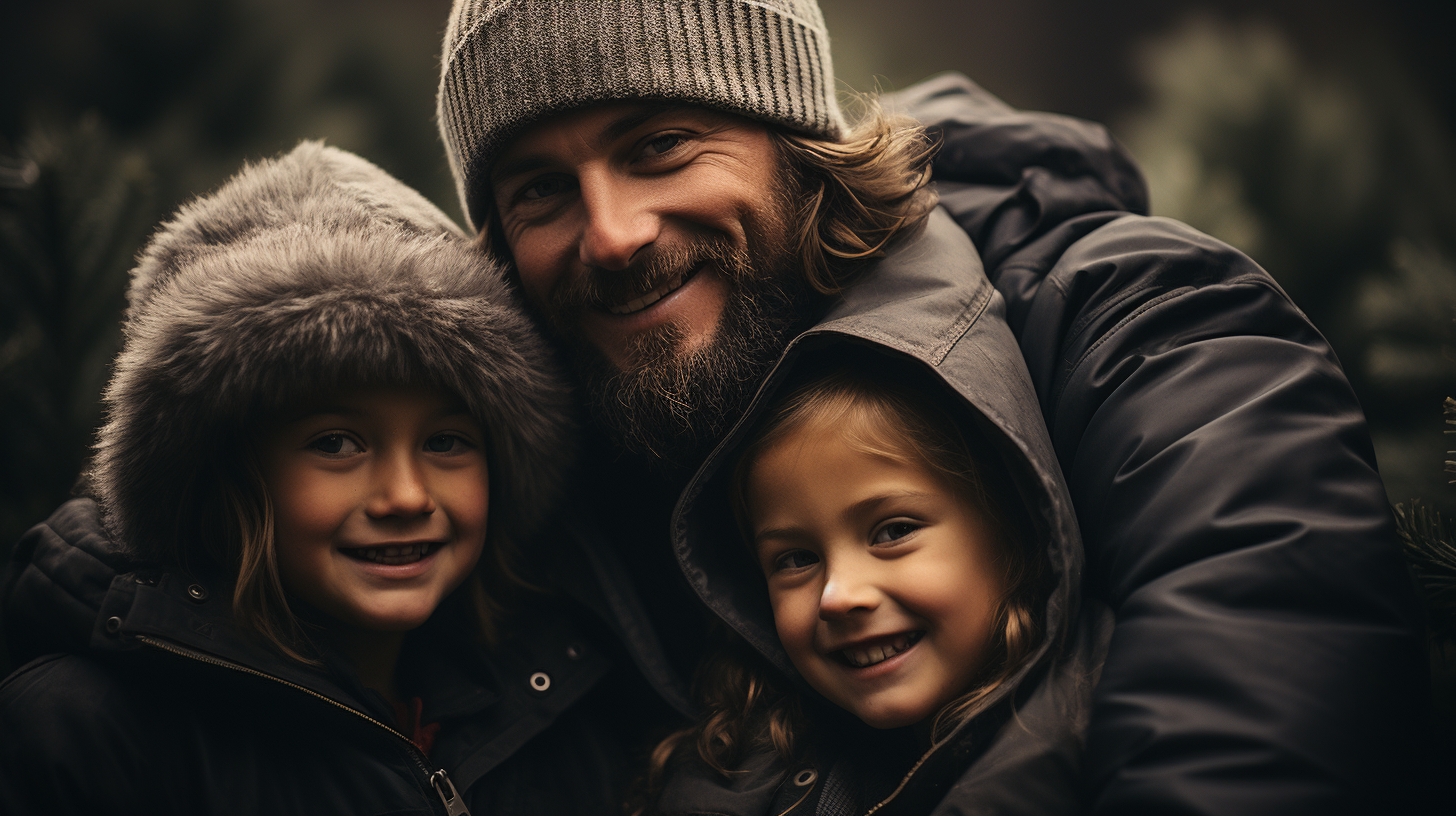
<point x="311" y="270"/>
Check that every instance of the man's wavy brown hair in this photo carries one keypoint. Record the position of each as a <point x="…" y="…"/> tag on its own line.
<point x="858" y="195"/>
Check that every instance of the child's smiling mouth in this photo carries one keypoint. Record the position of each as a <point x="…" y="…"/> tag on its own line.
<point x="866" y="655"/>
<point x="393" y="554"/>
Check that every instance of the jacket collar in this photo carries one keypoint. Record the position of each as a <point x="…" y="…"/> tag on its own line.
<point x="499" y="698"/>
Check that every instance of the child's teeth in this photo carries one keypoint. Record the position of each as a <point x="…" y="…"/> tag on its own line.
<point x="394" y="554"/>
<point x="860" y="658"/>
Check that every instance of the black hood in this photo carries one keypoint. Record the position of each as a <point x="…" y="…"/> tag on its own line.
<point x="929" y="307"/>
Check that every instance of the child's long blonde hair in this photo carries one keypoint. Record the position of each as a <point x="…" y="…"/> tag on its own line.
<point x="883" y="413"/>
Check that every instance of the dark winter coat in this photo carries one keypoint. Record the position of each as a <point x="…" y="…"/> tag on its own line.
<point x="1020" y="749"/>
<point x="1267" y="656"/>
<point x="312" y="271"/>
<point x="162" y="707"/>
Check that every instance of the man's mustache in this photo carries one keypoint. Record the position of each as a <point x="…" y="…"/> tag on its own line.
<point x="599" y="288"/>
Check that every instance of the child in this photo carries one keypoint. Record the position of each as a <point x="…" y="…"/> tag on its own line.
<point x="330" y="434"/>
<point x="920" y="569"/>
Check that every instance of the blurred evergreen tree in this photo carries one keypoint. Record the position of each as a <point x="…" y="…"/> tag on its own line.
<point x="127" y="110"/>
<point x="1341" y="184"/>
<point x="1430" y="547"/>
<point x="74" y="207"/>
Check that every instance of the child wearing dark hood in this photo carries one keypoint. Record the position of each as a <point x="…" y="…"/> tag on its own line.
<point x="330" y="434"/>
<point x="905" y="626"/>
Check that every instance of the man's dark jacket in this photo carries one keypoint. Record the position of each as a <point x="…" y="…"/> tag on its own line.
<point x="1267" y="655"/>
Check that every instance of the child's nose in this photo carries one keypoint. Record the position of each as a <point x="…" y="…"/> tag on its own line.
<point x="847" y="591"/>
<point x="400" y="490"/>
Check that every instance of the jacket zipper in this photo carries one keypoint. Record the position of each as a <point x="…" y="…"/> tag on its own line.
<point x="438" y="779"/>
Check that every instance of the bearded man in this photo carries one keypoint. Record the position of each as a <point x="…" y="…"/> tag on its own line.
<point x="681" y="199"/>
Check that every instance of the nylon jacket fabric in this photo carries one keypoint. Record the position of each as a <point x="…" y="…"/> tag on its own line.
<point x="932" y="310"/>
<point x="1267" y="655"/>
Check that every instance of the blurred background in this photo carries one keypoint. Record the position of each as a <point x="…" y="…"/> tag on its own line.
<point x="1317" y="136"/>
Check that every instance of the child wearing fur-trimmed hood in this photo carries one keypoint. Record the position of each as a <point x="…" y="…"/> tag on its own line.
<point x="330" y="435"/>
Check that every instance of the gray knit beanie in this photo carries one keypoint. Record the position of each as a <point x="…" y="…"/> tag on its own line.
<point x="507" y="63"/>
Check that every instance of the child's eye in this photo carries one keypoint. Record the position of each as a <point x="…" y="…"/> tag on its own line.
<point x="795" y="559"/>
<point x="894" y="531"/>
<point x="335" y="444"/>
<point x="445" y="443"/>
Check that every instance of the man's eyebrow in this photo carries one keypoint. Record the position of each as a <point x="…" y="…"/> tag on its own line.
<point x="614" y="130"/>
<point x="516" y="167"/>
<point x="631" y="120"/>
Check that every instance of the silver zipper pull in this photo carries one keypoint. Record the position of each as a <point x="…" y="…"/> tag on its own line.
<point x="446" y="791"/>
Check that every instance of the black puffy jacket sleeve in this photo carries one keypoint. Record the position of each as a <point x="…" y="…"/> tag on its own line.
<point x="1266" y="656"/>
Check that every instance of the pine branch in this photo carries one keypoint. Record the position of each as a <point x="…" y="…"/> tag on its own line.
<point x="1450" y="408"/>
<point x="1426" y="538"/>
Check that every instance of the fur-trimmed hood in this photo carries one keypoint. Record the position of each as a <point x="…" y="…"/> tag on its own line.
<point x="310" y="271"/>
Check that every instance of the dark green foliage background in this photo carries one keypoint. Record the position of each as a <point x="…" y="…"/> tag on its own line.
<point x="1316" y="136"/>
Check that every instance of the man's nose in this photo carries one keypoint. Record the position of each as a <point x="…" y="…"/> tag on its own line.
<point x="619" y="223"/>
<point x="399" y="489"/>
<point x="847" y="590"/>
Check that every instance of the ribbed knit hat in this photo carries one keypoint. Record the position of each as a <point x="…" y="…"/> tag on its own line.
<point x="507" y="63"/>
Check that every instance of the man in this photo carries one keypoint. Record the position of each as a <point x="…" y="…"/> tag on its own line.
<point x="681" y="198"/>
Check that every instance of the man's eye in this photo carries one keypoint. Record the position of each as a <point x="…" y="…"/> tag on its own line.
<point x="335" y="444"/>
<point x="894" y="531"/>
<point x="544" y="188"/>
<point x="662" y="145"/>
<point x="795" y="559"/>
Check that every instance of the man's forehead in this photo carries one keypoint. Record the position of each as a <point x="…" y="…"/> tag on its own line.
<point x="595" y="127"/>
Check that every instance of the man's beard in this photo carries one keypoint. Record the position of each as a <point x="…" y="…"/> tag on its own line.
<point x="669" y="406"/>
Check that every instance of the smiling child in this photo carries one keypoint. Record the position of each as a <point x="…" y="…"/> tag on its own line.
<point x="896" y="580"/>
<point x="331" y="434"/>
<point x="901" y="601"/>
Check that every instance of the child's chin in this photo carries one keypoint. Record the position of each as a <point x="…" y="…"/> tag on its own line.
<point x="890" y="717"/>
<point x="396" y="620"/>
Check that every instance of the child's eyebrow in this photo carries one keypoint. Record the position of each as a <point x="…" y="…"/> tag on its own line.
<point x="317" y="411"/>
<point x="790" y="533"/>
<point x="867" y="505"/>
<point x="872" y="503"/>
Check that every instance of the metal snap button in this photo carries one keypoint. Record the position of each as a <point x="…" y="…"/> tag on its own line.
<point x="540" y="681"/>
<point x="197" y="592"/>
<point x="113" y="625"/>
<point x="806" y="777"/>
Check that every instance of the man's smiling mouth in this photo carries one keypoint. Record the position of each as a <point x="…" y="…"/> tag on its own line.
<point x="879" y="653"/>
<point x="669" y="286"/>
